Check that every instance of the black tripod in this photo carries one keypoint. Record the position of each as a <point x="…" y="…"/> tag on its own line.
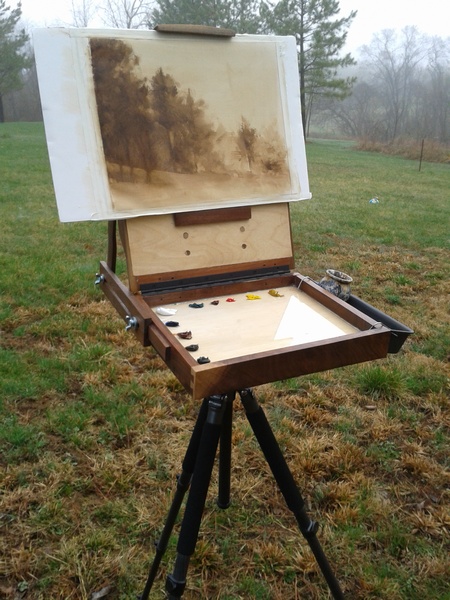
<point x="214" y="424"/>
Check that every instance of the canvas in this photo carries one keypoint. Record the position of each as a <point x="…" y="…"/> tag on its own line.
<point x="144" y="123"/>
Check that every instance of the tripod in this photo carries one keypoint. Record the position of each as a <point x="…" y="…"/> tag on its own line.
<point x="214" y="425"/>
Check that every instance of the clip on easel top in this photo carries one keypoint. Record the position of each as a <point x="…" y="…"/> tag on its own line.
<point x="195" y="30"/>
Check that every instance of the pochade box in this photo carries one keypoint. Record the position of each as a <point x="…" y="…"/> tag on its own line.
<point x="191" y="139"/>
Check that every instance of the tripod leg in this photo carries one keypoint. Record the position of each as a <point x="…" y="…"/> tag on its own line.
<point x="223" y="498"/>
<point x="183" y="482"/>
<point x="176" y="582"/>
<point x="288" y="488"/>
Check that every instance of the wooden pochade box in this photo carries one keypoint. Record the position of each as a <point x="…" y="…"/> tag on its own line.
<point x="255" y="321"/>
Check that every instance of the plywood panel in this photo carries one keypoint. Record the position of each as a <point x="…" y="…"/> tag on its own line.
<point x="247" y="326"/>
<point x="156" y="245"/>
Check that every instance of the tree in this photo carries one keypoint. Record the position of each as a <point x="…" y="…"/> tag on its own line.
<point x="358" y="115"/>
<point x="24" y="104"/>
<point x="438" y="101"/>
<point x="239" y="15"/>
<point x="320" y="37"/>
<point x="195" y="12"/>
<point x="402" y="91"/>
<point x="244" y="16"/>
<point x="13" y="52"/>
<point x="128" y="14"/>
<point x="392" y="62"/>
<point x="82" y="12"/>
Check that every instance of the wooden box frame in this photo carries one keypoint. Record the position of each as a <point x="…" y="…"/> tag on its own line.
<point x="369" y="339"/>
<point x="369" y="342"/>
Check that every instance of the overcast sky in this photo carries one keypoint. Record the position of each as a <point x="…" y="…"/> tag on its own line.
<point x="430" y="17"/>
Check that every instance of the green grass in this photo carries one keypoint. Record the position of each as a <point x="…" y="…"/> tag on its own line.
<point x="93" y="427"/>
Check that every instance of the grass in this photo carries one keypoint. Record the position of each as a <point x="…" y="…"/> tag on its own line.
<point x="93" y="427"/>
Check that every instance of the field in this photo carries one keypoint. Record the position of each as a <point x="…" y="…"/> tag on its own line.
<point x="93" y="427"/>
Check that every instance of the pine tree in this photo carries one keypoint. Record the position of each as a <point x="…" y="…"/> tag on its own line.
<point x="239" y="15"/>
<point x="320" y="37"/>
<point x="195" y="12"/>
<point x="13" y="58"/>
<point x="244" y="16"/>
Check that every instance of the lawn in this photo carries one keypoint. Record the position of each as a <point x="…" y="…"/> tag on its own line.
<point x="93" y="427"/>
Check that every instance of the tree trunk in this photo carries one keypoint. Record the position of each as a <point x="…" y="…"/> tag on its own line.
<point x="2" y="112"/>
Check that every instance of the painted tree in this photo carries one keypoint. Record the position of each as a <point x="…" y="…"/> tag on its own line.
<point x="13" y="51"/>
<point x="166" y="105"/>
<point x="182" y="124"/>
<point x="195" y="135"/>
<point x="320" y="35"/>
<point x="246" y="140"/>
<point x="123" y="107"/>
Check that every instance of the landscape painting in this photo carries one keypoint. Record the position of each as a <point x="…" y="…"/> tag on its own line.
<point x="183" y="123"/>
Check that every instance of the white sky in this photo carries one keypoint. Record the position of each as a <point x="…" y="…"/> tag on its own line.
<point x="430" y="17"/>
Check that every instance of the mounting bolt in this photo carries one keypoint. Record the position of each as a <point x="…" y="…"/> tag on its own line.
<point x="99" y="279"/>
<point x="132" y="323"/>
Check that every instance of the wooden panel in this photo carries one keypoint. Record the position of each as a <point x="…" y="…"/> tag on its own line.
<point x="218" y="215"/>
<point x="222" y="377"/>
<point x="159" y="342"/>
<point x="251" y="323"/>
<point x="155" y="245"/>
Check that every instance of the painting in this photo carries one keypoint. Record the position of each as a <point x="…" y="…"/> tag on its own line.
<point x="142" y="123"/>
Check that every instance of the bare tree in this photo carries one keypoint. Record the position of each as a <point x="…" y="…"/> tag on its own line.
<point x="128" y="14"/>
<point x="402" y="91"/>
<point x="439" y="95"/>
<point x="360" y="115"/>
<point x="393" y="62"/>
<point x="82" y="12"/>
